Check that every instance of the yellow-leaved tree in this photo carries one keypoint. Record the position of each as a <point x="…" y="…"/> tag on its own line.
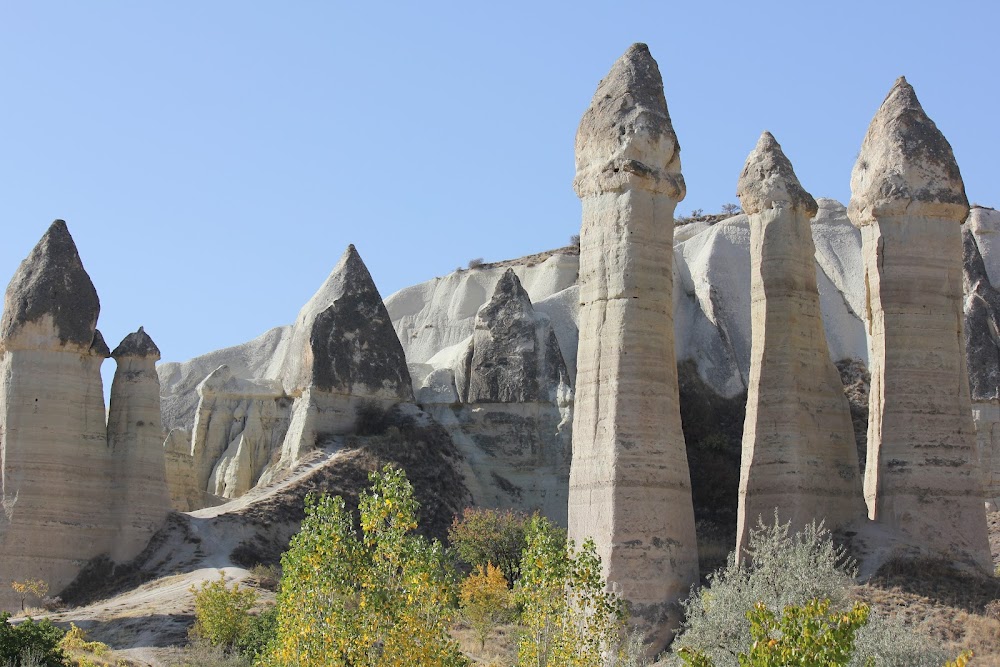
<point x="379" y="598"/>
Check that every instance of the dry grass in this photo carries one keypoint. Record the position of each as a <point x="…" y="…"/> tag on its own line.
<point x="956" y="608"/>
<point x="501" y="646"/>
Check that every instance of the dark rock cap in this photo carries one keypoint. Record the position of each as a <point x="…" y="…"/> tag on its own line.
<point x="137" y="344"/>
<point x="99" y="348"/>
<point x="905" y="165"/>
<point x="52" y="281"/>
<point x="768" y="178"/>
<point x="355" y="349"/>
<point x="625" y="138"/>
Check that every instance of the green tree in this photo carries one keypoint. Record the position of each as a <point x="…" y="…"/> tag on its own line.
<point x="482" y="536"/>
<point x="38" y="639"/>
<point x="568" y="616"/>
<point x="383" y="597"/>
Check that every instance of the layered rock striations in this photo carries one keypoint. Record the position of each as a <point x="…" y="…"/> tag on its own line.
<point x="907" y="196"/>
<point x="140" y="500"/>
<point x="629" y="482"/>
<point x="799" y="456"/>
<point x="55" y="464"/>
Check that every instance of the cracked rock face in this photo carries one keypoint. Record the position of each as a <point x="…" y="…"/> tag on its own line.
<point x="922" y="476"/>
<point x="905" y="166"/>
<point x="629" y="483"/>
<point x="353" y="346"/>
<point x="515" y="357"/>
<point x="799" y="456"/>
<point x="625" y="138"/>
<point x="51" y="282"/>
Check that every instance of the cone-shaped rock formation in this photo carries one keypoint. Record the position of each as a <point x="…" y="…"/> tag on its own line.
<point x="55" y="465"/>
<point x="799" y="455"/>
<point x="135" y="438"/>
<point x="629" y="483"/>
<point x="515" y="355"/>
<point x="922" y="476"/>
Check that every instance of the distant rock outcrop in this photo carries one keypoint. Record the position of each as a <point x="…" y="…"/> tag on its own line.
<point x="630" y="487"/>
<point x="302" y="384"/>
<point x="61" y="483"/>
<point x="922" y="476"/>
<point x="799" y="455"/>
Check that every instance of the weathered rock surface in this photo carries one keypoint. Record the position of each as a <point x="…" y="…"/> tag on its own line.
<point x="629" y="483"/>
<point x="799" y="455"/>
<point x="982" y="345"/>
<point x="55" y="466"/>
<point x="285" y="392"/>
<point x="922" y="476"/>
<point x="135" y="437"/>
<point x="515" y="355"/>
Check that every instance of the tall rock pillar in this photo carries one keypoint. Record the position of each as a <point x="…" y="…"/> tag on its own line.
<point x="908" y="199"/>
<point x="55" y="470"/>
<point x="135" y="438"/>
<point x="799" y="455"/>
<point x="630" y="489"/>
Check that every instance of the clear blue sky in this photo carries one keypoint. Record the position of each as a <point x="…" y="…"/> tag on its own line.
<point x="214" y="159"/>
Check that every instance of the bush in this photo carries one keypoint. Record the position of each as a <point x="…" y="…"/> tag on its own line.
<point x="372" y="418"/>
<point x="260" y="632"/>
<point x="485" y="600"/>
<point x="804" y="635"/>
<point x="30" y="643"/>
<point x="379" y="598"/>
<point x="731" y="209"/>
<point x="569" y="617"/>
<point x="483" y="536"/>
<point x="789" y="570"/>
<point x="574" y="240"/>
<point x="222" y="615"/>
<point x="476" y="263"/>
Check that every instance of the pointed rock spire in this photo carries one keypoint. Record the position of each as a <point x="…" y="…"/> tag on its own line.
<point x="626" y="134"/>
<point x="354" y="348"/>
<point x="52" y="281"/>
<point x="515" y="358"/>
<point x="768" y="179"/>
<point x="137" y="344"/>
<point x="905" y="165"/>
<point x="99" y="348"/>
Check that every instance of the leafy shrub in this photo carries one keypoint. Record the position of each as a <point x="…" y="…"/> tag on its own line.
<point x="222" y="614"/>
<point x="379" y="598"/>
<point x="260" y="632"/>
<point x="485" y="600"/>
<point x="476" y="263"/>
<point x="569" y="617"/>
<point x="30" y="643"/>
<point x="789" y="570"/>
<point x="483" y="536"/>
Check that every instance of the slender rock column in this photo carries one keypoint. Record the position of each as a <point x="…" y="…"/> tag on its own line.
<point x="799" y="456"/>
<point x="908" y="199"/>
<point x="135" y="438"/>
<point x="630" y="488"/>
<point x="55" y="469"/>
